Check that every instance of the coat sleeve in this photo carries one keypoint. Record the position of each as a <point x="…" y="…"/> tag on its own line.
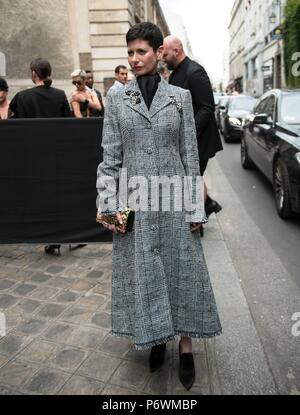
<point x="193" y="186"/>
<point x="201" y="90"/>
<point x="109" y="170"/>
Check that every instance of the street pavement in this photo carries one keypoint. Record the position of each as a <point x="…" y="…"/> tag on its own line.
<point x="57" y="312"/>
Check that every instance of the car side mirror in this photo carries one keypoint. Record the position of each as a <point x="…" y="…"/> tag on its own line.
<point x="261" y="119"/>
<point x="222" y="108"/>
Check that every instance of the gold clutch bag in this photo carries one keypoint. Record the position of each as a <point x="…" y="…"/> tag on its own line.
<point x="127" y="218"/>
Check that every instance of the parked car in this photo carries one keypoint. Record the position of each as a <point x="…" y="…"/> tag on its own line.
<point x="217" y="96"/>
<point x="271" y="140"/>
<point x="233" y="116"/>
<point x="221" y="106"/>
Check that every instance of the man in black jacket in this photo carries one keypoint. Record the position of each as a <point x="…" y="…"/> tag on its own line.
<point x="190" y="75"/>
<point x="90" y="84"/>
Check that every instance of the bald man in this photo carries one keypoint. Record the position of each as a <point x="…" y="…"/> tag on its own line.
<point x="190" y="75"/>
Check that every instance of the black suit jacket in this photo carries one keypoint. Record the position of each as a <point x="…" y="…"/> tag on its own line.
<point x="190" y="75"/>
<point x="95" y="113"/>
<point x="40" y="102"/>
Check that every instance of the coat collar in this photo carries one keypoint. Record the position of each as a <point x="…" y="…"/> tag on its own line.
<point x="135" y="101"/>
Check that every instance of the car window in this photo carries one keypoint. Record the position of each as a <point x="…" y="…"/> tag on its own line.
<point x="289" y="110"/>
<point x="270" y="106"/>
<point x="242" y="104"/>
<point x="223" y="102"/>
<point x="217" y="98"/>
<point x="260" y="107"/>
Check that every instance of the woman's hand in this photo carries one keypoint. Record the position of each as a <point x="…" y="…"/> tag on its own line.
<point x="195" y="226"/>
<point x="115" y="229"/>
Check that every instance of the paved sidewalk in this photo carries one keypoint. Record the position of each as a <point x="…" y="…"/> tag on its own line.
<point x="58" y="320"/>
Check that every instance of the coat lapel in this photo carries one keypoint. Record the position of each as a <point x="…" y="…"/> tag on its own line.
<point x="134" y="99"/>
<point x="161" y="99"/>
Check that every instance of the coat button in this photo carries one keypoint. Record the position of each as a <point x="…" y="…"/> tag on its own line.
<point x="148" y="126"/>
<point x="156" y="251"/>
<point x="149" y="151"/>
<point x="154" y="228"/>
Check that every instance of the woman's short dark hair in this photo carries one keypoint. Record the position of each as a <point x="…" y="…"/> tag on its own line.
<point x="3" y="85"/>
<point x="43" y="70"/>
<point x="148" y="32"/>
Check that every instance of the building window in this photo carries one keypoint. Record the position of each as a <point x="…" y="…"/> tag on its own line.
<point x="247" y="71"/>
<point x="139" y="11"/>
<point x="2" y="64"/>
<point x="254" y="66"/>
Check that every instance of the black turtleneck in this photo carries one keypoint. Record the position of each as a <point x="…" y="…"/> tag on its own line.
<point x="148" y="85"/>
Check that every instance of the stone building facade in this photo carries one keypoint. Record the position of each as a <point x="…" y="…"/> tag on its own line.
<point x="256" y="57"/>
<point x="87" y="34"/>
<point x="237" y="45"/>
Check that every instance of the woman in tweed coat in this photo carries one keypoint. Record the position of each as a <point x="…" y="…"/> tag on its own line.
<point x="160" y="284"/>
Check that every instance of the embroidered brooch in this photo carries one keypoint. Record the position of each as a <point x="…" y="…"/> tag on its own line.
<point x="176" y="103"/>
<point x="134" y="97"/>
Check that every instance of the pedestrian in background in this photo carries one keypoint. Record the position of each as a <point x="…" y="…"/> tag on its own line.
<point x="190" y="75"/>
<point x="130" y="77"/>
<point x="4" y="104"/>
<point x="121" y="74"/>
<point x="83" y="100"/>
<point x="160" y="283"/>
<point x="90" y="85"/>
<point x="163" y="71"/>
<point x="42" y="101"/>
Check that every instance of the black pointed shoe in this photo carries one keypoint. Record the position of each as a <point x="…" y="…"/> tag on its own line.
<point x="51" y="249"/>
<point x="211" y="206"/>
<point x="186" y="369"/>
<point x="157" y="357"/>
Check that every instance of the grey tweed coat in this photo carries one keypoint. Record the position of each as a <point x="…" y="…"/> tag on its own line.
<point x="160" y="283"/>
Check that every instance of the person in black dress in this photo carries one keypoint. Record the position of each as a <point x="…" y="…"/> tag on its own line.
<point x="41" y="101"/>
<point x="4" y="104"/>
<point x="84" y="101"/>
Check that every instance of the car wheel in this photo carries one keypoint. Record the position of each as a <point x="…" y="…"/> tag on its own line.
<point x="282" y="190"/>
<point x="245" y="159"/>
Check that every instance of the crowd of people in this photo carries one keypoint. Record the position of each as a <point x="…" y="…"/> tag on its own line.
<point x="163" y="120"/>
<point x="44" y="101"/>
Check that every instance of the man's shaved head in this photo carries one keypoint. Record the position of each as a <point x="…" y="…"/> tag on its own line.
<point x="174" y="42"/>
<point x="173" y="51"/>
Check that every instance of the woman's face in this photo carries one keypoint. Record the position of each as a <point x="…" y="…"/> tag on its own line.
<point x="142" y="58"/>
<point x="3" y="96"/>
<point x="79" y="83"/>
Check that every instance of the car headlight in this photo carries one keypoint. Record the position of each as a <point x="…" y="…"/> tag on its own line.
<point x="297" y="155"/>
<point x="235" y="121"/>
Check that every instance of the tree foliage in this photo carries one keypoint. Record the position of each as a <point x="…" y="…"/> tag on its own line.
<point x="292" y="41"/>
